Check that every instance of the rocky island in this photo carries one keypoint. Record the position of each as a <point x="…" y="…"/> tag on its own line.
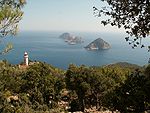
<point x="98" y="44"/>
<point x="71" y="39"/>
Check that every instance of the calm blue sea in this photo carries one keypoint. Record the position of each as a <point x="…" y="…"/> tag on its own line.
<point x="47" y="47"/>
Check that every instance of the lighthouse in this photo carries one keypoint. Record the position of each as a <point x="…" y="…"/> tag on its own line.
<point x="26" y="59"/>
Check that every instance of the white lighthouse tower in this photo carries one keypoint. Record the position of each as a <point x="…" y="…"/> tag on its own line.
<point x="26" y="58"/>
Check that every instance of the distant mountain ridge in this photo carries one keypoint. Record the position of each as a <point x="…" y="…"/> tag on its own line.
<point x="98" y="44"/>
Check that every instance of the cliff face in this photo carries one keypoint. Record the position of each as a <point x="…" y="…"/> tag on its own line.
<point x="98" y="44"/>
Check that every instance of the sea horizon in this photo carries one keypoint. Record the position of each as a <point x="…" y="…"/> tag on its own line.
<point x="46" y="46"/>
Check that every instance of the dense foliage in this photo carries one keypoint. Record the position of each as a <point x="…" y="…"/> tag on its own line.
<point x="91" y="84"/>
<point x="41" y="88"/>
<point x="34" y="89"/>
<point x="10" y="15"/>
<point x="131" y="96"/>
<point x="133" y="15"/>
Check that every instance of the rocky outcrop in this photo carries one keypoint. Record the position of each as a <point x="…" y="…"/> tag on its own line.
<point x="12" y="98"/>
<point x="71" y="39"/>
<point x="65" y="36"/>
<point x="98" y="44"/>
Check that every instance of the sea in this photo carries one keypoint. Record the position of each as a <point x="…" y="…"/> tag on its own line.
<point x="46" y="46"/>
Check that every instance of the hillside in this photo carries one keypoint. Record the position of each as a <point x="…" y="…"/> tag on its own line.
<point x="42" y="88"/>
<point x="124" y="65"/>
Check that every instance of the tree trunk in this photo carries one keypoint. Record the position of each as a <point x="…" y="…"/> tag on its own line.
<point x="97" y="102"/>
<point x="82" y="104"/>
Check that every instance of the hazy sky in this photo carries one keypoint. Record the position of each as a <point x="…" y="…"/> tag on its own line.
<point x="62" y="15"/>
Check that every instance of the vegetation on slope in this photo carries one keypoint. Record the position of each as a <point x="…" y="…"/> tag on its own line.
<point x="41" y="88"/>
